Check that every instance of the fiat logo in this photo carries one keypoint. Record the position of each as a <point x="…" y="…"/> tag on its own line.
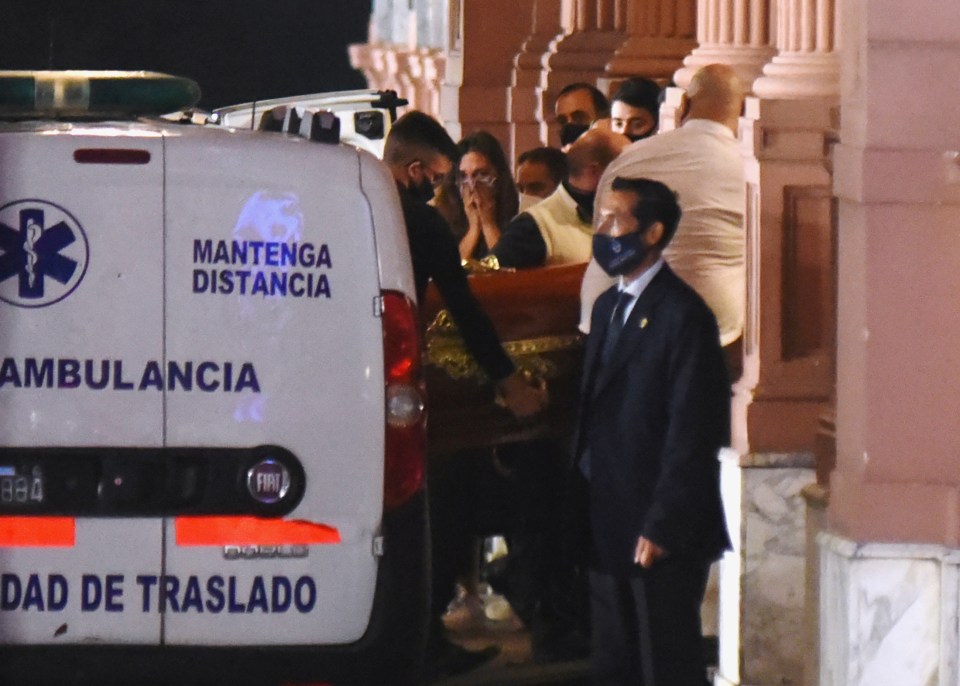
<point x="268" y="481"/>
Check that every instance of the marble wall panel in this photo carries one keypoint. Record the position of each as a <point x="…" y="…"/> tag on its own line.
<point x="888" y="614"/>
<point x="772" y="618"/>
<point x="762" y="580"/>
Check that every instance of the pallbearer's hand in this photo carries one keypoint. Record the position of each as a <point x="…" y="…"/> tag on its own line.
<point x="520" y="397"/>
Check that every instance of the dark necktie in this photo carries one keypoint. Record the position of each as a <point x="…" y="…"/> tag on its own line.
<point x="614" y="329"/>
<point x="616" y="326"/>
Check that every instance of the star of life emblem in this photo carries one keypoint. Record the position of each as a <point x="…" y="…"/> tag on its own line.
<point x="43" y="253"/>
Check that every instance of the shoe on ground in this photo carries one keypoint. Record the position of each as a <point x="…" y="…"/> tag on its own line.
<point x="465" y="608"/>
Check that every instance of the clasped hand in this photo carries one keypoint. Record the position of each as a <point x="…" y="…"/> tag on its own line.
<point x="479" y="205"/>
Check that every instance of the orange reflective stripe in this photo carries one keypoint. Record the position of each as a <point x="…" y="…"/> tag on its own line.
<point x="38" y="532"/>
<point x="252" y="531"/>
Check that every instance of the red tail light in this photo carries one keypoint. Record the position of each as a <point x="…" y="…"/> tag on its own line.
<point x="406" y="417"/>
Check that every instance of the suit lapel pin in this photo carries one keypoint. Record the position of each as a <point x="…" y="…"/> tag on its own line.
<point x="644" y="322"/>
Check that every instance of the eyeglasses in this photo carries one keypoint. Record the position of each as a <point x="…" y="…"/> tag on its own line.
<point x="434" y="176"/>
<point x="474" y="180"/>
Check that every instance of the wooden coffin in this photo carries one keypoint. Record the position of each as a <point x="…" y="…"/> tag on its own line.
<point x="535" y="312"/>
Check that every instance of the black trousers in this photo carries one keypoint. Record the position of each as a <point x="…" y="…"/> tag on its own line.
<point x="646" y="626"/>
<point x="515" y="491"/>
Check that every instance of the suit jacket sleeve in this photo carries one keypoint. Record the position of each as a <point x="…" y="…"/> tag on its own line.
<point x="686" y="515"/>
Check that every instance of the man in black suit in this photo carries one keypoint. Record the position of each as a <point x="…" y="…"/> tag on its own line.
<point x="655" y="410"/>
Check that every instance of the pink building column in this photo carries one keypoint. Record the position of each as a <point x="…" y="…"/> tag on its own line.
<point x="659" y="34"/>
<point x="789" y="335"/>
<point x="529" y="115"/>
<point x="593" y="29"/>
<point x="368" y="57"/>
<point x="404" y="51"/>
<point x="733" y="32"/>
<point x="889" y="605"/>
<point x="807" y="64"/>
<point x="433" y="67"/>
<point x="377" y="60"/>
<point x="789" y="331"/>
<point x="362" y="59"/>
<point x="787" y="382"/>
<point x="483" y="39"/>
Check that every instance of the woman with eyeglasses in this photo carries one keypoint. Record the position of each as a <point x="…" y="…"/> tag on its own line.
<point x="480" y="198"/>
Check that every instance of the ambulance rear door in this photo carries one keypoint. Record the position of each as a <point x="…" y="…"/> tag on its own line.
<point x="272" y="291"/>
<point x="81" y="323"/>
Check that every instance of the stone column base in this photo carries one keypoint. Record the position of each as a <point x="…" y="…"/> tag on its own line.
<point x="762" y="579"/>
<point x="889" y="613"/>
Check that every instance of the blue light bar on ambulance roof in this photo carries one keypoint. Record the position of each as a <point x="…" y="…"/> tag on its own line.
<point x="86" y="94"/>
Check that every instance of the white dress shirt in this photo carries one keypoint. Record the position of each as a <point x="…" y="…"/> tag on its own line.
<point x="701" y="162"/>
<point x="638" y="285"/>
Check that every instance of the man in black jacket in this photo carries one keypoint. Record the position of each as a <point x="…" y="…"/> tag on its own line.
<point x="655" y="410"/>
<point x="420" y="153"/>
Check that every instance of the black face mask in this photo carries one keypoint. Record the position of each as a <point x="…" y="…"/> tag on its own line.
<point x="584" y="201"/>
<point x="571" y="132"/>
<point x="422" y="192"/>
<point x="619" y="255"/>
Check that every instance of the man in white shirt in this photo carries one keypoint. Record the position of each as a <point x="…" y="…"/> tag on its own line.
<point x="702" y="163"/>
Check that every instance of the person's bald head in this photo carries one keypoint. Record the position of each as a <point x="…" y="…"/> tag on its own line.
<point x="590" y="154"/>
<point x="716" y="93"/>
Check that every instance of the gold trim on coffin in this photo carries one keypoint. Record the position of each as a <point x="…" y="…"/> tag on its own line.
<point x="446" y="350"/>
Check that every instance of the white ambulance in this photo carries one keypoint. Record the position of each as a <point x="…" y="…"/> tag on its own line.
<point x="211" y="406"/>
